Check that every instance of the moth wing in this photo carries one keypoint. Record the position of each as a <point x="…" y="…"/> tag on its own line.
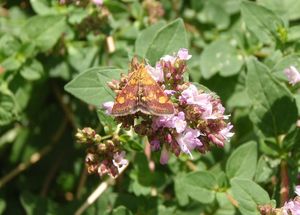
<point x="126" y="101"/>
<point x="153" y="99"/>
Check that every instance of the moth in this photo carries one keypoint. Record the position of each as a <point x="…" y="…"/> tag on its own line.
<point x="142" y="93"/>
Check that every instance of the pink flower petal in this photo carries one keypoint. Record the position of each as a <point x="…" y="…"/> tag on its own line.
<point x="183" y="54"/>
<point x="292" y="75"/>
<point x="108" y="107"/>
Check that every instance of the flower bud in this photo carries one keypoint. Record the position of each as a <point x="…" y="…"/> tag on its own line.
<point x="97" y="138"/>
<point x="102" y="148"/>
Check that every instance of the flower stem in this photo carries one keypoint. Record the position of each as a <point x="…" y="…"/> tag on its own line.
<point x="232" y="200"/>
<point x="97" y="193"/>
<point x="35" y="157"/>
<point x="284" y="185"/>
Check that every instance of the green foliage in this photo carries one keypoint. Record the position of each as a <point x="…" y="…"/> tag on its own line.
<point x="56" y="60"/>
<point x="90" y="86"/>
<point x="274" y="109"/>
<point x="242" y="162"/>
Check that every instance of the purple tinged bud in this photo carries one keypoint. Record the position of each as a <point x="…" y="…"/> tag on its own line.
<point x="155" y="145"/>
<point x="216" y="140"/>
<point x="169" y="138"/>
<point x="164" y="156"/>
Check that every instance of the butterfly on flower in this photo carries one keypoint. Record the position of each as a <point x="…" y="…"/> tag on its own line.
<point x="142" y="93"/>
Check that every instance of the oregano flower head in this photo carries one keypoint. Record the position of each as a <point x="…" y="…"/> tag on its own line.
<point x="198" y="120"/>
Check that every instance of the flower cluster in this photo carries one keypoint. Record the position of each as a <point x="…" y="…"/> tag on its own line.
<point x="103" y="156"/>
<point x="198" y="121"/>
<point x="292" y="207"/>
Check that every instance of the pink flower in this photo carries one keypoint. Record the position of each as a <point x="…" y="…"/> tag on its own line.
<point x="296" y="208"/>
<point x="164" y="156"/>
<point x="98" y="2"/>
<point x="217" y="113"/>
<point x="287" y="206"/>
<point x="156" y="73"/>
<point x="291" y="207"/>
<point x="183" y="54"/>
<point x="225" y="132"/>
<point x="188" y="140"/>
<point x="178" y="122"/>
<point x="222" y="136"/>
<point x="292" y="75"/>
<point x="119" y="159"/>
<point x="203" y="100"/>
<point x="168" y="58"/>
<point x="108" y="107"/>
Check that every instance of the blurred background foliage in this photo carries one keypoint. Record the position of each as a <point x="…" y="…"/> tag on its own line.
<point x="239" y="48"/>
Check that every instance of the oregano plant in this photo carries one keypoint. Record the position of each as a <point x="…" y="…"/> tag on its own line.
<point x="149" y="107"/>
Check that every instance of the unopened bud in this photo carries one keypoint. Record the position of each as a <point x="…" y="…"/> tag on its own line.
<point x="102" y="148"/>
<point x="89" y="132"/>
<point x="110" y="144"/>
<point x="97" y="138"/>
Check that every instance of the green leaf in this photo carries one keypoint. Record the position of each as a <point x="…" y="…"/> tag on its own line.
<point x="146" y="37"/>
<point x="106" y="120"/>
<point x="33" y="205"/>
<point x="32" y="70"/>
<point x="8" y="106"/>
<point x="80" y="57"/>
<point x="274" y="109"/>
<point x="130" y="144"/>
<point x="9" y="45"/>
<point x="220" y="56"/>
<point x="263" y="170"/>
<point x="283" y="63"/>
<point x="199" y="186"/>
<point x="294" y="33"/>
<point x="121" y="210"/>
<point x="167" y="40"/>
<point x="261" y="21"/>
<point x="249" y="195"/>
<point x="43" y="31"/>
<point x="215" y="13"/>
<point x="242" y="162"/>
<point x="292" y="140"/>
<point x="2" y="205"/>
<point x="287" y="8"/>
<point x="91" y="85"/>
<point x="59" y="70"/>
<point x="42" y="7"/>
<point x="181" y="194"/>
<point x="225" y="206"/>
